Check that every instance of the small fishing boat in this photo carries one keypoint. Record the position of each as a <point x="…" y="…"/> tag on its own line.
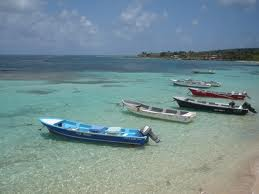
<point x="213" y="94"/>
<point x="230" y="108"/>
<point x="212" y="83"/>
<point x="190" y="83"/>
<point x="97" y="133"/>
<point x="159" y="113"/>
<point x="203" y="71"/>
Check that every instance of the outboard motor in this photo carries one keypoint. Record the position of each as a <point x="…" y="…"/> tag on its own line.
<point x="147" y="131"/>
<point x="249" y="107"/>
<point x="232" y="104"/>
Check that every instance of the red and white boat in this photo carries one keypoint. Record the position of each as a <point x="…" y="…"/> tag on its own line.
<point x="229" y="95"/>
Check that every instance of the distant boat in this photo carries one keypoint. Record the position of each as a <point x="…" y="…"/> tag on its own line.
<point x="212" y="83"/>
<point x="159" y="113"/>
<point x="96" y="133"/>
<point x="213" y="94"/>
<point x="204" y="71"/>
<point x="230" y="108"/>
<point x="190" y="83"/>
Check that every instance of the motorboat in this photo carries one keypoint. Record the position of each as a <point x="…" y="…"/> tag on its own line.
<point x="98" y="133"/>
<point x="229" y="95"/>
<point x="230" y="108"/>
<point x="190" y="83"/>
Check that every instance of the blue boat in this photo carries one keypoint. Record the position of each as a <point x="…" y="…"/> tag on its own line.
<point x="97" y="133"/>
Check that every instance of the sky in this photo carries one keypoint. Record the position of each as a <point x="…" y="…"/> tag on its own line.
<point x="111" y="27"/>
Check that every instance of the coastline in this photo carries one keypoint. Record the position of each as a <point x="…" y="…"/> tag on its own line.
<point x="179" y="59"/>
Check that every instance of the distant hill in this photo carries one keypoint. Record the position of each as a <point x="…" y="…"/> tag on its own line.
<point x="244" y="54"/>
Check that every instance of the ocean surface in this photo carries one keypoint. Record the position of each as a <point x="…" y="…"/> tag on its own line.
<point x="203" y="155"/>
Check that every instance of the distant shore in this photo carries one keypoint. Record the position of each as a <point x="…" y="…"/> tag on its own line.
<point x="239" y="55"/>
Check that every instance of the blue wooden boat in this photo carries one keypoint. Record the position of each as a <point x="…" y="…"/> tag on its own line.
<point x="97" y="133"/>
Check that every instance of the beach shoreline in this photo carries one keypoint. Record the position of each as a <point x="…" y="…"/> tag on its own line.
<point x="179" y="59"/>
<point x="244" y="178"/>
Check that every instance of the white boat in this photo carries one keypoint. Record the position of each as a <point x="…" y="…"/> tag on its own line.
<point x="159" y="113"/>
<point x="212" y="83"/>
<point x="190" y="83"/>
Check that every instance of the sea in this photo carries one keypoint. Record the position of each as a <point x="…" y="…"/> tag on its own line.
<point x="207" y="155"/>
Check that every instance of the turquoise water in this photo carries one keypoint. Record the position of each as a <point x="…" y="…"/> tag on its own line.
<point x="202" y="154"/>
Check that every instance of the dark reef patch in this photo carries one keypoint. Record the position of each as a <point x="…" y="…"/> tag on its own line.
<point x="21" y="112"/>
<point x="113" y="86"/>
<point x="36" y="91"/>
<point x="254" y="73"/>
<point x="93" y="82"/>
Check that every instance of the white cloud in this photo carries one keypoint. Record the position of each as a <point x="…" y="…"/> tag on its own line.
<point x="135" y="19"/>
<point x="245" y="3"/>
<point x="165" y="14"/>
<point x="184" y="38"/>
<point x="179" y="30"/>
<point x="27" y="24"/>
<point x="204" y="7"/>
<point x="20" y="5"/>
<point x="195" y="22"/>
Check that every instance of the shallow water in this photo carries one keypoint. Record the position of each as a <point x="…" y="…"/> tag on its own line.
<point x="201" y="154"/>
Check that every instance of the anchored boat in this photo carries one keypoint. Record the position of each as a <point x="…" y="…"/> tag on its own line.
<point x="97" y="133"/>
<point x="190" y="83"/>
<point x="159" y="113"/>
<point x="203" y="71"/>
<point x="212" y="83"/>
<point x="213" y="94"/>
<point x="230" y="108"/>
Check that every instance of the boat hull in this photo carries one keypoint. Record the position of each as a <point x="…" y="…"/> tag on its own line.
<point x="203" y="93"/>
<point x="174" y="118"/>
<point x="207" y="108"/>
<point x="203" y="72"/>
<point x="95" y="137"/>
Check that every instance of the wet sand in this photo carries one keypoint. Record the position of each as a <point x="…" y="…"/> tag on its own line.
<point x="248" y="177"/>
<point x="244" y="180"/>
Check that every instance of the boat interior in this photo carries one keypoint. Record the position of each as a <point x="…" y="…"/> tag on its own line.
<point x="156" y="109"/>
<point x="84" y="128"/>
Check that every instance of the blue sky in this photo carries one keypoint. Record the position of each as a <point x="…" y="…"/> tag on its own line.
<point x="126" y="26"/>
